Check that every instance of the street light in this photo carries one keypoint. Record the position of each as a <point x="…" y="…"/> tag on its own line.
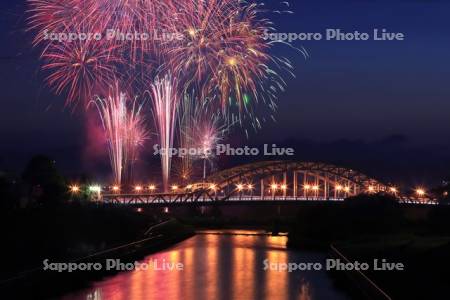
<point x="138" y="188"/>
<point x="74" y="189"/>
<point x="174" y="187"/>
<point x="240" y="187"/>
<point x="393" y="190"/>
<point x="274" y="188"/>
<point x="420" y="192"/>
<point x="371" y="189"/>
<point x="115" y="188"/>
<point x="95" y="188"/>
<point x="152" y="187"/>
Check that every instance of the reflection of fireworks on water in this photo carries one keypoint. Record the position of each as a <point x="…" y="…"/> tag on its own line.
<point x="163" y="92"/>
<point x="124" y="126"/>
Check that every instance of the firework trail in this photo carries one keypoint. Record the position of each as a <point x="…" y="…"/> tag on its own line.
<point x="163" y="92"/>
<point x="210" y="130"/>
<point x="201" y="128"/>
<point x="124" y="127"/>
<point x="186" y="127"/>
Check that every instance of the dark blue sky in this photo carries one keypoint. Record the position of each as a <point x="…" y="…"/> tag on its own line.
<point x="359" y="92"/>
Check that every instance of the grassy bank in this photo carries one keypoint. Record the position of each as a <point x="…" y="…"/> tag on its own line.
<point x="68" y="232"/>
<point x="426" y="260"/>
<point x="377" y="227"/>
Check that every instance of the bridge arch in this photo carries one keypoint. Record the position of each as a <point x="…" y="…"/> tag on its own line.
<point x="307" y="179"/>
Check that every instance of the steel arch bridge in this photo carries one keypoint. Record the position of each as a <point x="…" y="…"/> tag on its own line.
<point x="265" y="181"/>
<point x="292" y="180"/>
<point x="311" y="172"/>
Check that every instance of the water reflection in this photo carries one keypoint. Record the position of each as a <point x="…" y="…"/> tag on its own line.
<point x="219" y="267"/>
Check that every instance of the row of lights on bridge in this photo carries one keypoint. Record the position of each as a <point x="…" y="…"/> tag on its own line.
<point x="241" y="187"/>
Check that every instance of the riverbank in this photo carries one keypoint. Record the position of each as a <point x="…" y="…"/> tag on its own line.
<point x="78" y="234"/>
<point x="426" y="261"/>
<point x="370" y="228"/>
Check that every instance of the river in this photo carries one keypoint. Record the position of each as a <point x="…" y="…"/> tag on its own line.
<point x="219" y="265"/>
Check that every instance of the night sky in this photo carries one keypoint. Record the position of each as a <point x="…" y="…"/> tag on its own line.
<point x="380" y="106"/>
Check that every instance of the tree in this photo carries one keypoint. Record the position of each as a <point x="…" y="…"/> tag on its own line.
<point x="45" y="183"/>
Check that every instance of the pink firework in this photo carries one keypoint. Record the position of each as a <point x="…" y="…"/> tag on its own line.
<point x="57" y="16"/>
<point x="124" y="127"/>
<point x="82" y="68"/>
<point x="130" y="24"/>
<point x="163" y="92"/>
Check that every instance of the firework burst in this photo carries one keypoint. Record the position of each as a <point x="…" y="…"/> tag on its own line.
<point x="57" y="16"/>
<point x="81" y="68"/>
<point x="223" y="56"/>
<point x="225" y="53"/>
<point x="122" y="20"/>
